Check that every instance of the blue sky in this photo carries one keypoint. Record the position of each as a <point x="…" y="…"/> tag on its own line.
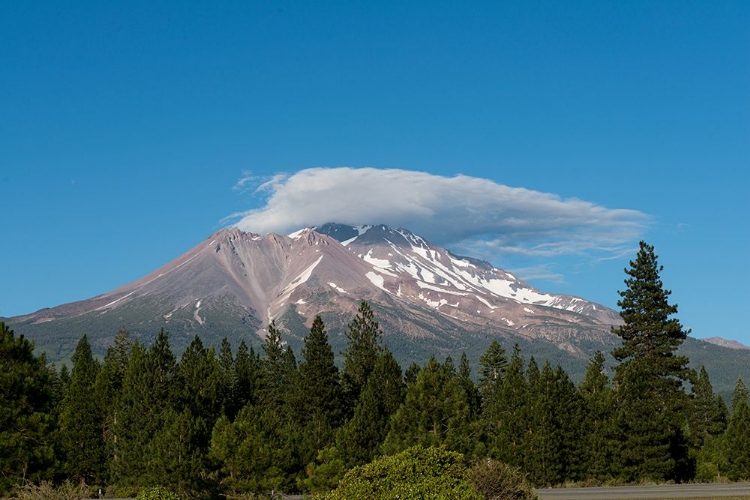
<point x="547" y="137"/>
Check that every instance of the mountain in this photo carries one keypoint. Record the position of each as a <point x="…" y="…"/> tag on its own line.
<point x="428" y="300"/>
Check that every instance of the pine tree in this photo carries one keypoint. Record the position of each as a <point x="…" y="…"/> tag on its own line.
<point x="740" y="394"/>
<point x="505" y="415"/>
<point x="492" y="366"/>
<point x="107" y="390"/>
<point x="596" y="395"/>
<point x="364" y="336"/>
<point x="147" y="394"/>
<point x="649" y="379"/>
<point x="26" y="451"/>
<point x="435" y="412"/>
<point x="247" y="374"/>
<point x="320" y="406"/>
<point x="80" y="421"/>
<point x="360" y="439"/>
<point x="707" y="417"/>
<point x="469" y="387"/>
<point x="737" y="436"/>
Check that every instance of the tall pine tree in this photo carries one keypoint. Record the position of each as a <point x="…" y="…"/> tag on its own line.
<point x="364" y="336"/>
<point x="80" y="421"/>
<point x="649" y="379"/>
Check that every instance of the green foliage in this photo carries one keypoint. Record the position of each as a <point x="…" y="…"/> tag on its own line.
<point x="359" y="440"/>
<point x="320" y="406"/>
<point x="737" y="437"/>
<point x="26" y="423"/>
<point x="415" y="473"/>
<point x="364" y="336"/>
<point x="650" y="400"/>
<point x="156" y="493"/>
<point x="325" y="472"/>
<point x="596" y="426"/>
<point x="493" y="364"/>
<point x="80" y="421"/>
<point x="47" y="491"/>
<point x="506" y="414"/>
<point x="435" y="412"/>
<point x="498" y="481"/>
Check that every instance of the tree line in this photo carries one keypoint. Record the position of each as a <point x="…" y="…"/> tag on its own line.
<point x="233" y="421"/>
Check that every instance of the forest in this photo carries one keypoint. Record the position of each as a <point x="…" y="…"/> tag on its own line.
<point x="233" y="421"/>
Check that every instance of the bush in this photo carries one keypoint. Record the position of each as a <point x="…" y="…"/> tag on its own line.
<point x="416" y="473"/>
<point x="46" y="491"/>
<point x="498" y="481"/>
<point x="156" y="493"/>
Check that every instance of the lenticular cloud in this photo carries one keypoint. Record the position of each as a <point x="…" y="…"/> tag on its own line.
<point x="465" y="212"/>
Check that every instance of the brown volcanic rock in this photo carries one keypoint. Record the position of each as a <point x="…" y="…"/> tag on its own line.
<point x="234" y="283"/>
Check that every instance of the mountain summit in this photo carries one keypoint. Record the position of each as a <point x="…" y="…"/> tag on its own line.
<point x="236" y="282"/>
<point x="427" y="300"/>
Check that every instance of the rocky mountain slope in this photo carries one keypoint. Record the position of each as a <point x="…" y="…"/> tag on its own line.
<point x="428" y="300"/>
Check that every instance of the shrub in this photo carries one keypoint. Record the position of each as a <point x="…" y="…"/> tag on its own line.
<point x="499" y="481"/>
<point x="47" y="491"/>
<point x="416" y="473"/>
<point x="156" y="493"/>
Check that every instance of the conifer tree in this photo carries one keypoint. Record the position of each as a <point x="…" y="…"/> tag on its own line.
<point x="360" y="439"/>
<point x="707" y="417"/>
<point x="737" y="436"/>
<point x="649" y="379"/>
<point x="435" y="412"/>
<point x="146" y="396"/>
<point x="492" y="365"/>
<point x="80" y="421"/>
<point x="227" y="379"/>
<point x="552" y="443"/>
<point x="107" y="390"/>
<point x="320" y="406"/>
<point x="505" y="415"/>
<point x="247" y="374"/>
<point x="364" y="336"/>
<point x="596" y="395"/>
<point x="26" y="451"/>
<point x="469" y="387"/>
<point x="740" y="394"/>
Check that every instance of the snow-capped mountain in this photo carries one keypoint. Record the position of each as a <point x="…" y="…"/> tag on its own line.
<point x="427" y="300"/>
<point x="235" y="283"/>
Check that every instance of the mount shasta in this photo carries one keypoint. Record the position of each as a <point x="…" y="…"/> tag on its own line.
<point x="427" y="300"/>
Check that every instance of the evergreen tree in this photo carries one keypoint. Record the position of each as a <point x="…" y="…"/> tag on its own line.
<point x="274" y="377"/>
<point x="596" y="395"/>
<point x="435" y="412"/>
<point x="197" y="384"/>
<point x="26" y="452"/>
<point x="80" y="421"/>
<point x="740" y="394"/>
<point x="649" y="379"/>
<point x="364" y="336"/>
<point x="107" y="390"/>
<point x="737" y="436"/>
<point x="466" y="382"/>
<point x="146" y="396"/>
<point x="505" y="415"/>
<point x="552" y="442"/>
<point x="227" y="379"/>
<point x="360" y="439"/>
<point x="247" y="373"/>
<point x="492" y="365"/>
<point x="320" y="407"/>
<point x="178" y="456"/>
<point x="707" y="417"/>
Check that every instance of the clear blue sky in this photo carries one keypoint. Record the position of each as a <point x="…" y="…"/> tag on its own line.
<point x="129" y="132"/>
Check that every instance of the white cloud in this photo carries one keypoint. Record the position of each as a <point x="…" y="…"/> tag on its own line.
<point x="475" y="216"/>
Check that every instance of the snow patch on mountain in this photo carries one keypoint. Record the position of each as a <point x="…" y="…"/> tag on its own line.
<point x="337" y="288"/>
